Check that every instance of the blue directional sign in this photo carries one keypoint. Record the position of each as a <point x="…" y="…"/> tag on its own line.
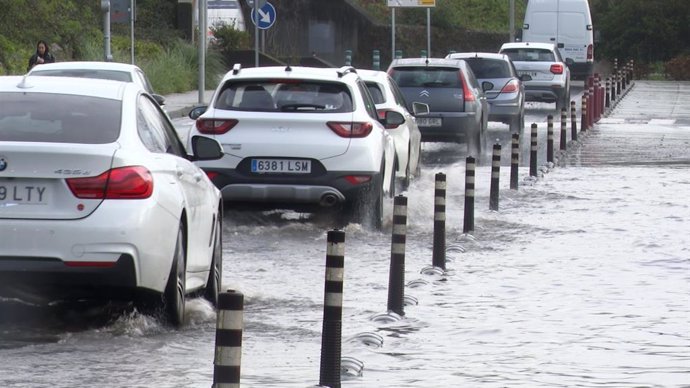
<point x="266" y="17"/>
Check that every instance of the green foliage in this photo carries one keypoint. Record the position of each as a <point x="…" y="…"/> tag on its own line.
<point x="646" y="30"/>
<point x="175" y="70"/>
<point x="228" y="39"/>
<point x="480" y="15"/>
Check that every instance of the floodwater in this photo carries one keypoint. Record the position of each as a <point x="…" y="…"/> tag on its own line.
<point x="580" y="279"/>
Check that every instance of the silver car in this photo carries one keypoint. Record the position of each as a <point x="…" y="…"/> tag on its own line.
<point x="507" y="93"/>
<point x="543" y="62"/>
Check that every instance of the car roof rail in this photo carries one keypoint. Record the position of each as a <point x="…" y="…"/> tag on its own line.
<point x="236" y="68"/>
<point x="346" y="69"/>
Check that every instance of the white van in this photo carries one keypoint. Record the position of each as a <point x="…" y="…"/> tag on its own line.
<point x="568" y="24"/>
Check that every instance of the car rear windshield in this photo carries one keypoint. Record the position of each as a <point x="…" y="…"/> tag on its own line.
<point x="59" y="118"/>
<point x="529" y="55"/>
<point x="113" y="75"/>
<point x="427" y="77"/>
<point x="489" y="68"/>
<point x="280" y="95"/>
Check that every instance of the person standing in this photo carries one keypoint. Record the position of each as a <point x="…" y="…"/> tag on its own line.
<point x="42" y="55"/>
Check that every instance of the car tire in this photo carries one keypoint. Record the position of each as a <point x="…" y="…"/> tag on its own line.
<point x="367" y="208"/>
<point x="517" y="124"/>
<point x="418" y="169"/>
<point x="174" y="296"/>
<point x="215" y="274"/>
<point x="563" y="100"/>
<point x="474" y="144"/>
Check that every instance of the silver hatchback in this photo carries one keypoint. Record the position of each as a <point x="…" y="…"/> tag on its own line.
<point x="506" y="96"/>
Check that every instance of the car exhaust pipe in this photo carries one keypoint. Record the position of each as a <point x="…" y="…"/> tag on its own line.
<point x="329" y="200"/>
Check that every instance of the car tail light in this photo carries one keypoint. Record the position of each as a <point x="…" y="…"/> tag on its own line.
<point x="358" y="179"/>
<point x="511" y="87"/>
<point x="215" y="127"/>
<point x="466" y="92"/>
<point x="350" y="129"/>
<point x="132" y="182"/>
<point x="211" y="174"/>
<point x="590" y="52"/>
<point x="556" y="68"/>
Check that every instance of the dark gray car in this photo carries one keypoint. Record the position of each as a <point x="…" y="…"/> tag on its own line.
<point x="458" y="109"/>
<point x="506" y="96"/>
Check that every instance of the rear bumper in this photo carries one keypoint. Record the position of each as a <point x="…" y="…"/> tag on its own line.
<point x="504" y="111"/>
<point x="49" y="278"/>
<point x="318" y="188"/>
<point x="547" y="93"/>
<point x="454" y="127"/>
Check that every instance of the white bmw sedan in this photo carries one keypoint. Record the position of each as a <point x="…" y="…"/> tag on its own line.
<point x="98" y="197"/>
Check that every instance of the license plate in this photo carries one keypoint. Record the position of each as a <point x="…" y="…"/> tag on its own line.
<point x="23" y="194"/>
<point x="429" y="121"/>
<point x="286" y="166"/>
<point x="532" y="74"/>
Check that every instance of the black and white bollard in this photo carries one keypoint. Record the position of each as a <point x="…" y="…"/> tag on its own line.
<point x="613" y="87"/>
<point x="564" y="130"/>
<point x="228" y="354"/>
<point x="439" y="254"/>
<point x="573" y="120"/>
<point x="331" y="340"/>
<point x="468" y="222"/>
<point x="533" y="151"/>
<point x="396" y="276"/>
<point x="514" y="161"/>
<point x="549" y="139"/>
<point x="495" y="177"/>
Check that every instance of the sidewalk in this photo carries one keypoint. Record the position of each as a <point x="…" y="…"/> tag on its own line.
<point x="179" y="104"/>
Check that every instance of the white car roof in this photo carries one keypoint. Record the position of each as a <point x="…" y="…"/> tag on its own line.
<point x="547" y="46"/>
<point x="477" y="55"/>
<point x="317" y="73"/>
<point x="87" y="65"/>
<point x="372" y="74"/>
<point x="65" y="85"/>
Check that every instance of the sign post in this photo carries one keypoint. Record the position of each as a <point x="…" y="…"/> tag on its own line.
<point x="263" y="16"/>
<point x="393" y="4"/>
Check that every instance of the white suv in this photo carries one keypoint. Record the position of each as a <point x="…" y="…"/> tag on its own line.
<point x="543" y="63"/>
<point x="296" y="136"/>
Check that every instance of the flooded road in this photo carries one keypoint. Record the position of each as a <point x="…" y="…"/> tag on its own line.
<point x="582" y="278"/>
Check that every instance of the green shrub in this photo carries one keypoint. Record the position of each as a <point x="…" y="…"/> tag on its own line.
<point x="228" y="39"/>
<point x="175" y="69"/>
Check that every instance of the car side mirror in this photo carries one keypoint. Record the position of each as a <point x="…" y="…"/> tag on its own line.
<point x="393" y="119"/>
<point x="420" y="109"/>
<point x="159" y="99"/>
<point x="525" y="77"/>
<point x="486" y="85"/>
<point x="205" y="148"/>
<point x="569" y="62"/>
<point x="197" y="111"/>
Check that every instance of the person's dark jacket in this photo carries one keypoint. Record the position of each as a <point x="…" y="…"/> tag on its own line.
<point x="47" y="58"/>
